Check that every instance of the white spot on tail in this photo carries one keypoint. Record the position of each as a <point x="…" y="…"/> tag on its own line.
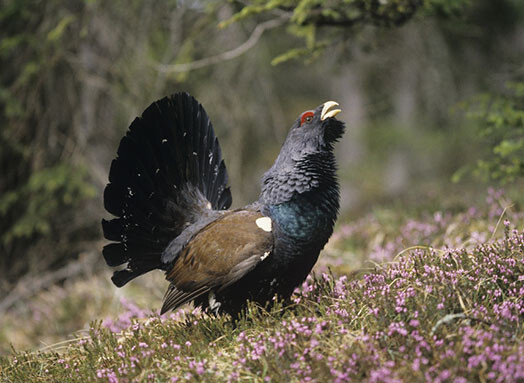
<point x="266" y="254"/>
<point x="264" y="223"/>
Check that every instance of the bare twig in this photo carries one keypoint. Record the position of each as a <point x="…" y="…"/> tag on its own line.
<point x="228" y="55"/>
<point x="60" y="345"/>
<point x="30" y="285"/>
<point x="446" y="319"/>
<point x="500" y="219"/>
<point x="418" y="247"/>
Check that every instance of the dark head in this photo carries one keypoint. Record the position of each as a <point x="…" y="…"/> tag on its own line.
<point x="314" y="131"/>
<point x="306" y="155"/>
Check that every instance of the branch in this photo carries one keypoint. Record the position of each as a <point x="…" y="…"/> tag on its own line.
<point x="228" y="55"/>
<point x="373" y="16"/>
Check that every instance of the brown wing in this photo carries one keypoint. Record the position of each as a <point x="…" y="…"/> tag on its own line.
<point x="220" y="254"/>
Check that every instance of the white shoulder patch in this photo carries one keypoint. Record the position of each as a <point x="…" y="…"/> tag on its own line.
<point x="264" y="223"/>
<point x="266" y="254"/>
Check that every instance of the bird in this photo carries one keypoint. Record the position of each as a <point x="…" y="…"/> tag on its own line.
<point x="170" y="199"/>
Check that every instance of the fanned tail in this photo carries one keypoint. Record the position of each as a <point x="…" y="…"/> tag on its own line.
<point x="168" y="169"/>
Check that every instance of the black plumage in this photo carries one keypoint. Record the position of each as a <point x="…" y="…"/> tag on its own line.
<point x="168" y="188"/>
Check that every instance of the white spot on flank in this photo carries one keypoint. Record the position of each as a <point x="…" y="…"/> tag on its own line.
<point x="264" y="223"/>
<point x="208" y="205"/>
<point x="214" y="305"/>
<point x="266" y="254"/>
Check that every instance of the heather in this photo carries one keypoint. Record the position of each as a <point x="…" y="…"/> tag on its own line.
<point x="440" y="297"/>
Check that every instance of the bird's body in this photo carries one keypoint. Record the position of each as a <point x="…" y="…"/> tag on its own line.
<point x="168" y="188"/>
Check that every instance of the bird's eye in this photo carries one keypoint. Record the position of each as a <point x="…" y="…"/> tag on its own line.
<point x="306" y="117"/>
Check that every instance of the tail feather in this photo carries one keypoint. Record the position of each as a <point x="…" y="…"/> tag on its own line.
<point x="168" y="168"/>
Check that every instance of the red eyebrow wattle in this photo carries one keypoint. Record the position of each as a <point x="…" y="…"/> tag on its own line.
<point x="306" y="115"/>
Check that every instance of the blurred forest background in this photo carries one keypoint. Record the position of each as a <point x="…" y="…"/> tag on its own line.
<point x="432" y="92"/>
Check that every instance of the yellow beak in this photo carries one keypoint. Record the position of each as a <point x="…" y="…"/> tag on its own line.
<point x="327" y="113"/>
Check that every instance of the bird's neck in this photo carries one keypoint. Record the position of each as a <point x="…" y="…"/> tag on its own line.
<point x="304" y="202"/>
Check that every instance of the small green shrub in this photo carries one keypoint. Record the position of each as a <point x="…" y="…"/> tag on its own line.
<point x="500" y="120"/>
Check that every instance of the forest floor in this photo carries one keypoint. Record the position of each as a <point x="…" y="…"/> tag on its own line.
<point x="398" y="296"/>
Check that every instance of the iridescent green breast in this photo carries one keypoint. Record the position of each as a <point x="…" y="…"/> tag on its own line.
<point x="304" y="218"/>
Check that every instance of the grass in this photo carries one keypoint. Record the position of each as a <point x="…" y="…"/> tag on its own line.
<point x="432" y="297"/>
